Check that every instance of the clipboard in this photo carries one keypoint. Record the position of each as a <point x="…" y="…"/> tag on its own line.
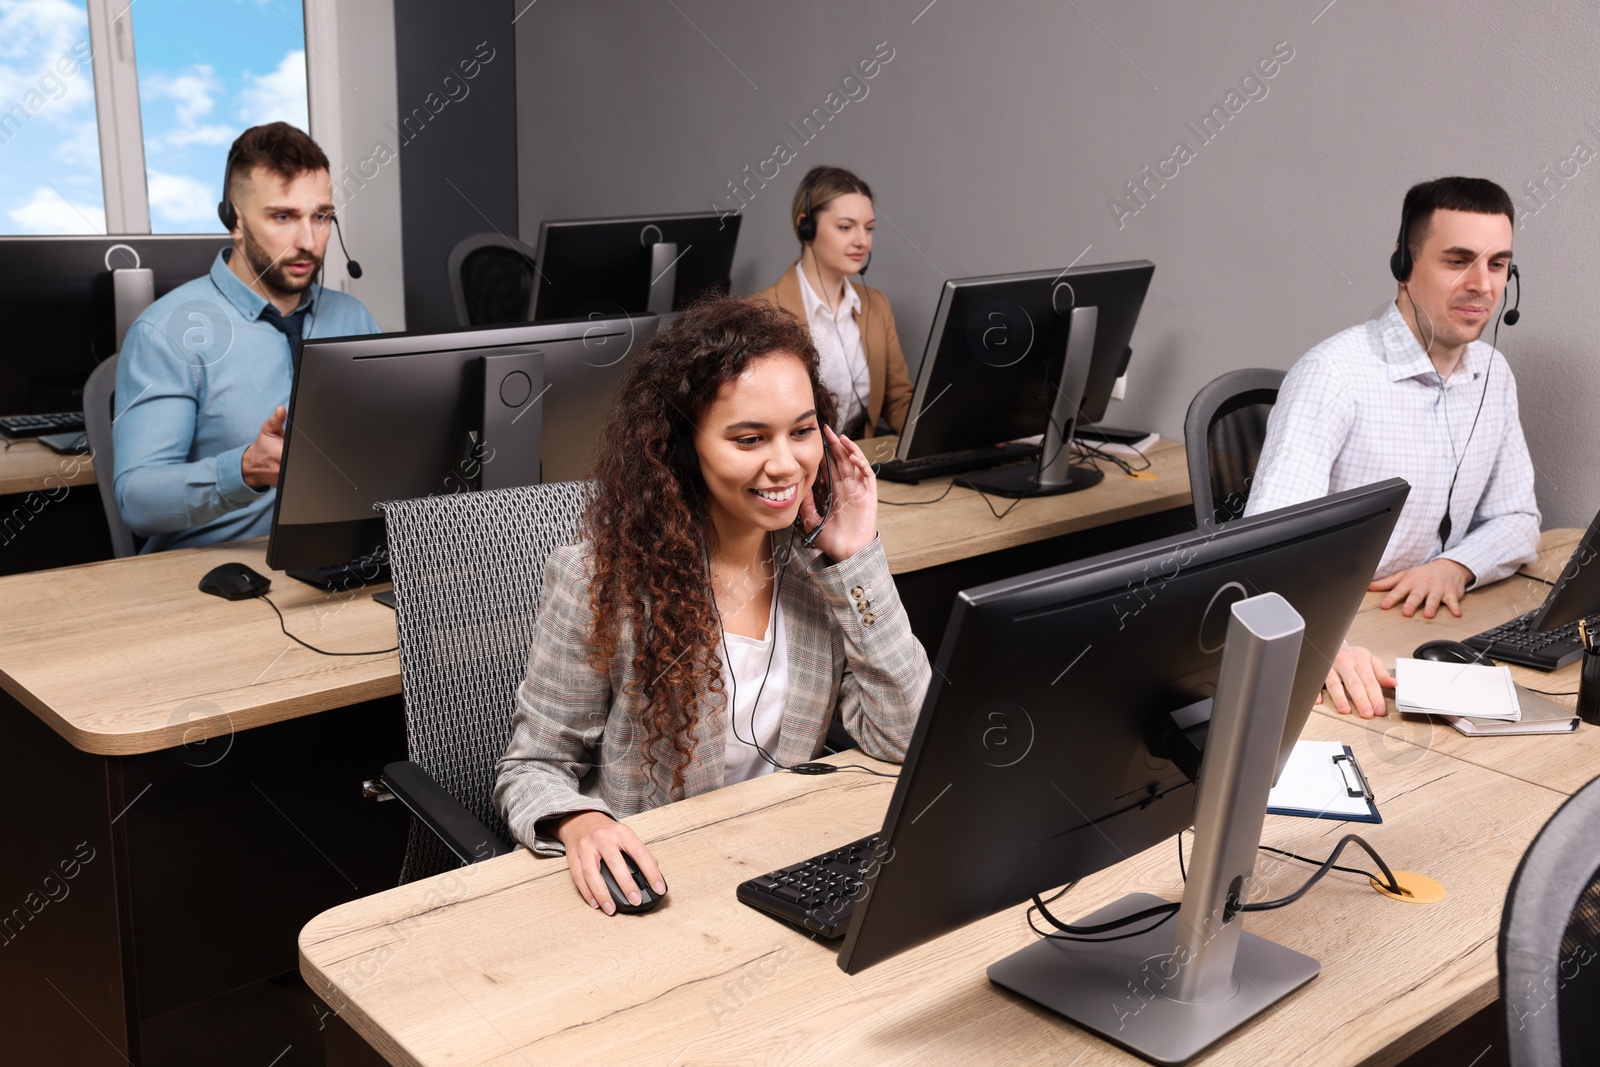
<point x="1323" y="780"/>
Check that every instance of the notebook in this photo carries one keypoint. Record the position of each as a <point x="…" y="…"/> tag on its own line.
<point x="1539" y="716"/>
<point x="1425" y="687"/>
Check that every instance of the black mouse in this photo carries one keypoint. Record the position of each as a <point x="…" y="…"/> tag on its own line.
<point x="647" y="896"/>
<point x="234" y="581"/>
<point x="1451" y="652"/>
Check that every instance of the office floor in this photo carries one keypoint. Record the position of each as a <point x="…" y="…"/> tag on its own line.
<point x="277" y="1022"/>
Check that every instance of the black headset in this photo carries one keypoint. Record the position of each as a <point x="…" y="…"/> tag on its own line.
<point x="229" y="217"/>
<point x="1400" y="260"/>
<point x="807" y="226"/>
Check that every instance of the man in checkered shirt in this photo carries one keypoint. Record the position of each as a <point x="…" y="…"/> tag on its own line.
<point x="1415" y="394"/>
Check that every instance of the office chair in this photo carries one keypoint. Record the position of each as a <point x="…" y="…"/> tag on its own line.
<point x="468" y="569"/>
<point x="1223" y="434"/>
<point x="99" y="394"/>
<point x="491" y="280"/>
<point x="1550" y="941"/>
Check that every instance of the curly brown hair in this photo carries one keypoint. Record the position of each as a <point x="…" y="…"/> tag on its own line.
<point x="649" y="517"/>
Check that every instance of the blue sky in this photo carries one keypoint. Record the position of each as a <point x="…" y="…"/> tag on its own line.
<point x="207" y="70"/>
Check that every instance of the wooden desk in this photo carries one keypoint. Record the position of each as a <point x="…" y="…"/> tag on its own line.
<point x="1562" y="762"/>
<point x="961" y="525"/>
<point x="176" y="736"/>
<point x="502" y="963"/>
<point x="29" y="467"/>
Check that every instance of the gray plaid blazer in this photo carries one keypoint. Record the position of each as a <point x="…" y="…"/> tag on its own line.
<point x="576" y="738"/>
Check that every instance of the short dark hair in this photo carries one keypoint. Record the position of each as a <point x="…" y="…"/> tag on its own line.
<point x="281" y="148"/>
<point x="1478" y="195"/>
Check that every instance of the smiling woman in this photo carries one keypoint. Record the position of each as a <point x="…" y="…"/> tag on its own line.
<point x="729" y="600"/>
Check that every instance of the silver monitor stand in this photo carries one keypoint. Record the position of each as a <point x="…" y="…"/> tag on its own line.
<point x="1169" y="993"/>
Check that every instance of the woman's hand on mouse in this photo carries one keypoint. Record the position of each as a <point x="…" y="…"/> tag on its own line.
<point x="592" y="836"/>
<point x="1356" y="681"/>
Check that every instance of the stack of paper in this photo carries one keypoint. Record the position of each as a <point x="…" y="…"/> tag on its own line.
<point x="1428" y="688"/>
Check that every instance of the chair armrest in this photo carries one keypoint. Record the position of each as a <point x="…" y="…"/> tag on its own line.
<point x="462" y="832"/>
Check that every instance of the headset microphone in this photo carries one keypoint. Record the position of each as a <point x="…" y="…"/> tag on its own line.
<point x="1513" y="315"/>
<point x="351" y="266"/>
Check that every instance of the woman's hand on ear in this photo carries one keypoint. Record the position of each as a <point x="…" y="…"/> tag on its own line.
<point x="854" y="520"/>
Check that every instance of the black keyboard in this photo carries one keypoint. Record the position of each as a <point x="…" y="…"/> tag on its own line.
<point x="35" y="425"/>
<point x="369" y="569"/>
<point x="818" y="895"/>
<point x="912" y="471"/>
<point x="1515" y="642"/>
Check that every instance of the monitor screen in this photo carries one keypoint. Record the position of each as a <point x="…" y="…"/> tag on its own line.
<point x="1576" y="594"/>
<point x="997" y="351"/>
<point x="612" y="267"/>
<point x="56" y="303"/>
<point x="398" y="416"/>
<point x="1047" y="750"/>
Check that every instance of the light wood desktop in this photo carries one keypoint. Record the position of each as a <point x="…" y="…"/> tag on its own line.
<point x="26" y="466"/>
<point x="502" y="963"/>
<point x="178" y="736"/>
<point x="1562" y="762"/>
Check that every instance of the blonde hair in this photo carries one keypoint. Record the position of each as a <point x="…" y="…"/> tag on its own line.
<point x="824" y="184"/>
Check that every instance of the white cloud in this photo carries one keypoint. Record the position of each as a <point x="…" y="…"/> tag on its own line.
<point x="34" y="35"/>
<point x="46" y="212"/>
<point x="193" y="93"/>
<point x="180" y="201"/>
<point x="276" y="97"/>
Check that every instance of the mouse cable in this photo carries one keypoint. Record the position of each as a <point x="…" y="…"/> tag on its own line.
<point x="1536" y="578"/>
<point x="1388" y="879"/>
<point x="314" y="648"/>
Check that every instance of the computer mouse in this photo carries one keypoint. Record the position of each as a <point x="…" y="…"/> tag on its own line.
<point x="647" y="896"/>
<point x="1451" y="652"/>
<point x="234" y="581"/>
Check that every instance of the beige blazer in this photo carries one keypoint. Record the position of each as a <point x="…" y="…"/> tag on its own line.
<point x="576" y="739"/>
<point x="890" y="389"/>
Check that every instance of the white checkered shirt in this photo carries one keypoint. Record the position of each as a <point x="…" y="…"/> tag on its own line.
<point x="1366" y="405"/>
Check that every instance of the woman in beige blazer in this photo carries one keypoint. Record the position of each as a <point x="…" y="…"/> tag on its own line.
<point x="721" y="609"/>
<point x="850" y="323"/>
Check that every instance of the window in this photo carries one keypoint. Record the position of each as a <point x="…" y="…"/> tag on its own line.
<point x="49" y="141"/>
<point x="140" y="136"/>
<point x="208" y="70"/>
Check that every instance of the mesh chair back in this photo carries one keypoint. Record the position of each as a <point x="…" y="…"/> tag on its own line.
<point x="99" y="393"/>
<point x="1550" y="941"/>
<point x="1223" y="433"/>
<point x="468" y="570"/>
<point x="491" y="280"/>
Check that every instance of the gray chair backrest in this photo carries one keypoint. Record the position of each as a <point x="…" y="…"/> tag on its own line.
<point x="1223" y="434"/>
<point x="468" y="570"/>
<point x="99" y="394"/>
<point x="1550" y="941"/>
<point x="491" y="280"/>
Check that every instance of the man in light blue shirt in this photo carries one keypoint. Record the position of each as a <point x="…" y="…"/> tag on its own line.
<point x="205" y="372"/>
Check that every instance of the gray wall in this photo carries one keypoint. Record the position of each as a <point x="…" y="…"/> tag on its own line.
<point x="999" y="134"/>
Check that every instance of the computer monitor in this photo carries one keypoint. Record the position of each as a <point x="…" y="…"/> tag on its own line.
<point x="1576" y="593"/>
<point x="404" y="415"/>
<point x="58" y="307"/>
<point x="612" y="267"/>
<point x="1017" y="355"/>
<point x="1059" y="732"/>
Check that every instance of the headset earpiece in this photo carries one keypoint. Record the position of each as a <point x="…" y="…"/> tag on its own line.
<point x="226" y="213"/>
<point x="807" y="226"/>
<point x="1400" y="261"/>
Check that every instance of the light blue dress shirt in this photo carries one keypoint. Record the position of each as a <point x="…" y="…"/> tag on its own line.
<point x="200" y="372"/>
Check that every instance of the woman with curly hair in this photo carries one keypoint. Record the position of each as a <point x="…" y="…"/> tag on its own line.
<point x="724" y="604"/>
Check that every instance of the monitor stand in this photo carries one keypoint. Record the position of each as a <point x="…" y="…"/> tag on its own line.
<point x="1055" y="473"/>
<point x="1169" y="993"/>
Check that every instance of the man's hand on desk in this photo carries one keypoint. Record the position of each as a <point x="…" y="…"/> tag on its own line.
<point x="1357" y="681"/>
<point x="259" y="465"/>
<point x="591" y="836"/>
<point x="1441" y="581"/>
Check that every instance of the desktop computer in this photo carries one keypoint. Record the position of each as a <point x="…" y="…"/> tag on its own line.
<point x="1068" y="719"/>
<point x="1546" y="638"/>
<point x="1015" y="356"/>
<point x="611" y="267"/>
<point x="398" y="416"/>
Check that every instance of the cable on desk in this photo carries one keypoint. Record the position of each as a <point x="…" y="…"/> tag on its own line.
<point x="314" y="648"/>
<point x="1536" y="578"/>
<point x="1234" y="907"/>
<point x="916" y="503"/>
<point x="1076" y="933"/>
<point x="1551" y="692"/>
